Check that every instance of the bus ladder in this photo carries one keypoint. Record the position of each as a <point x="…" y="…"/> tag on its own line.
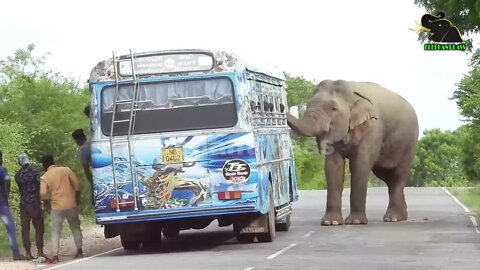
<point x="131" y="124"/>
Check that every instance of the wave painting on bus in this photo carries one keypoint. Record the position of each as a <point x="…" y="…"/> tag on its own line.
<point x="203" y="166"/>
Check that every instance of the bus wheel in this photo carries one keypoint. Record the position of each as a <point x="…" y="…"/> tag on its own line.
<point x="284" y="225"/>
<point x="152" y="240"/>
<point x="270" y="235"/>
<point x="243" y="237"/>
<point x="170" y="232"/>
<point x="129" y="244"/>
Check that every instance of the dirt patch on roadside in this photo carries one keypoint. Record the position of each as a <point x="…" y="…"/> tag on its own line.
<point x="94" y="242"/>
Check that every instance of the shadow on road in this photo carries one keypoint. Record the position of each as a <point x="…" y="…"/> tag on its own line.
<point x="191" y="241"/>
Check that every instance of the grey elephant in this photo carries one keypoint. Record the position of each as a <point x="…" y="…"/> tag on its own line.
<point x="375" y="129"/>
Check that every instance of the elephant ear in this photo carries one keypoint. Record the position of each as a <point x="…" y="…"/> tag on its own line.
<point x="361" y="110"/>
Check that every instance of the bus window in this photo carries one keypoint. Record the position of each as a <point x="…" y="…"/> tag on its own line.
<point x="276" y="108"/>
<point x="173" y="106"/>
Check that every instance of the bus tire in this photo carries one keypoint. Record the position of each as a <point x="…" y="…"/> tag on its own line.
<point x="152" y="240"/>
<point x="129" y="244"/>
<point x="270" y="235"/>
<point x="243" y="237"/>
<point x="246" y="238"/>
<point x="170" y="232"/>
<point x="283" y="226"/>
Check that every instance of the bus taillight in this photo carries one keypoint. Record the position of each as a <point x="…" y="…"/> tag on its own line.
<point x="229" y="195"/>
<point x="123" y="204"/>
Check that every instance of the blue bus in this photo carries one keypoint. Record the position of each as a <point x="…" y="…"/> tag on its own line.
<point x="181" y="138"/>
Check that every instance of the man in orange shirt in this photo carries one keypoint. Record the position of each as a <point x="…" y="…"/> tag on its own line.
<point x="60" y="185"/>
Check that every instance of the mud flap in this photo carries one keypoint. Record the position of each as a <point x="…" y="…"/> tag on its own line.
<point x="258" y="224"/>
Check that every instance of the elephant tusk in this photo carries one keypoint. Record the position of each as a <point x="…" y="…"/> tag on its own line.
<point x="421" y="28"/>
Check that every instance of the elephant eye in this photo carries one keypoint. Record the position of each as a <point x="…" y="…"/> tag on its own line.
<point x="334" y="108"/>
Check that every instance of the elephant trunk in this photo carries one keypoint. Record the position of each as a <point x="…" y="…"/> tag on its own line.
<point x="310" y="125"/>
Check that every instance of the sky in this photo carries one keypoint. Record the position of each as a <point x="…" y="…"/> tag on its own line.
<point x="352" y="40"/>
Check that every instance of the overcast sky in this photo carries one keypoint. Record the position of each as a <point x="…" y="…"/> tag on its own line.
<point x="343" y="39"/>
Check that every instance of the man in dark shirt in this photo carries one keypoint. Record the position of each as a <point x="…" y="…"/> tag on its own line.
<point x="6" y="213"/>
<point x="28" y="181"/>
<point x="85" y="156"/>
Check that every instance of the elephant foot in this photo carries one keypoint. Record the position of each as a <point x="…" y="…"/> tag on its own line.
<point x="334" y="219"/>
<point x="356" y="219"/>
<point x="395" y="216"/>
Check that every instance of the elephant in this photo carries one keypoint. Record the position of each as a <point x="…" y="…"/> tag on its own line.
<point x="441" y="29"/>
<point x="375" y="129"/>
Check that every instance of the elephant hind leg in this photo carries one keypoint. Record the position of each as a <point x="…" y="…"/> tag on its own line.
<point x="395" y="179"/>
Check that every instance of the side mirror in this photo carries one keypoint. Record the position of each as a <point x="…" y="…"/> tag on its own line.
<point x="294" y="111"/>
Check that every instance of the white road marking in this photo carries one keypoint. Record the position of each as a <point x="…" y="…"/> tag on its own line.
<point x="472" y="218"/>
<point x="280" y="251"/>
<point x="83" y="259"/>
<point x="308" y="234"/>
<point x="249" y="268"/>
<point x="456" y="200"/>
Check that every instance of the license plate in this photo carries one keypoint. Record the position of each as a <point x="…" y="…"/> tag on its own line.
<point x="253" y="230"/>
<point x="172" y="154"/>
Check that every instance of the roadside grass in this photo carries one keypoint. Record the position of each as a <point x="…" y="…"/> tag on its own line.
<point x="87" y="221"/>
<point x="470" y="197"/>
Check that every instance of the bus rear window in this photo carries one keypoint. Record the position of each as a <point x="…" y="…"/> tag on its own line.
<point x="172" y="106"/>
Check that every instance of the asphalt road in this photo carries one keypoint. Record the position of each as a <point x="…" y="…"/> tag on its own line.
<point x="438" y="235"/>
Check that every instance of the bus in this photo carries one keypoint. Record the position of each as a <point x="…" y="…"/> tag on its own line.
<point x="181" y="138"/>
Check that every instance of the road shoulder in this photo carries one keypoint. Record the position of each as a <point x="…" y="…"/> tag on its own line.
<point x="94" y="243"/>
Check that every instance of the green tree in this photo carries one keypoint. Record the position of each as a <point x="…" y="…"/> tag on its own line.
<point x="48" y="105"/>
<point x="470" y="149"/>
<point x="299" y="90"/>
<point x="309" y="165"/>
<point x="13" y="140"/>
<point x="308" y="161"/>
<point x="45" y="106"/>
<point x="438" y="159"/>
<point x="467" y="95"/>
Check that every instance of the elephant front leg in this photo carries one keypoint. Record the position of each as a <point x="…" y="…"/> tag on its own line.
<point x="360" y="171"/>
<point x="334" y="172"/>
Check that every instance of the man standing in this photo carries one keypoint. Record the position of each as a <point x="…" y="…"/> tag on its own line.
<point x="28" y="181"/>
<point x="60" y="186"/>
<point x="6" y="213"/>
<point x="85" y="154"/>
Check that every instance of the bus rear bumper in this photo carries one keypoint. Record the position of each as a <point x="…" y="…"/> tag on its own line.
<point x="172" y="214"/>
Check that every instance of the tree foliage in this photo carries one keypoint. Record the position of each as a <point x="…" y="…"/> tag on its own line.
<point x="470" y="149"/>
<point x="308" y="160"/>
<point x="39" y="109"/>
<point x="438" y="159"/>
<point x="299" y="90"/>
<point x="467" y="96"/>
<point x="47" y="105"/>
